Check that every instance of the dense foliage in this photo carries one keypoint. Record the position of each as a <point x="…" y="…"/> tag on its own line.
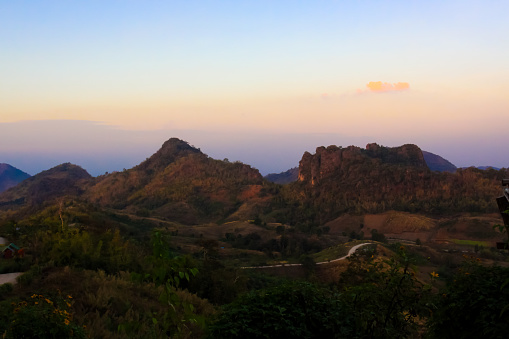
<point x="475" y="304"/>
<point x="41" y="317"/>
<point x="364" y="187"/>
<point x="376" y="299"/>
<point x="121" y="288"/>
<point x="384" y="296"/>
<point x="292" y="310"/>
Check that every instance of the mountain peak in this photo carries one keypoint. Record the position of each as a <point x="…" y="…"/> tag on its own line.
<point x="47" y="186"/>
<point x="170" y="151"/>
<point x="10" y="176"/>
<point x="5" y="168"/>
<point x="70" y="169"/>
<point x="437" y="163"/>
<point x="176" y="144"/>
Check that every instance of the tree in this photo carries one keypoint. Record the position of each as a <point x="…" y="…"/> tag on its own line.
<point x="308" y="264"/>
<point x="376" y="236"/>
<point x="170" y="271"/>
<point x="386" y="298"/>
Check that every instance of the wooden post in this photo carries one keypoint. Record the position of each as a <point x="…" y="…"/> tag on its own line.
<point x="503" y="206"/>
<point x="503" y="202"/>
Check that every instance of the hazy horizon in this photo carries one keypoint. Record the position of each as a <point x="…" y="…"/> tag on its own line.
<point x="112" y="149"/>
<point x="255" y="81"/>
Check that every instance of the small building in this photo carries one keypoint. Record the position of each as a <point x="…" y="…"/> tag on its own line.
<point x="11" y="251"/>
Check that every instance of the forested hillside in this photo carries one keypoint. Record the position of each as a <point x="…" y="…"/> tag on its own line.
<point x="179" y="183"/>
<point x="339" y="180"/>
<point x="66" y="180"/>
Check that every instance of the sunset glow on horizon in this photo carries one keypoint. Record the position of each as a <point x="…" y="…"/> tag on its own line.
<point x="434" y="74"/>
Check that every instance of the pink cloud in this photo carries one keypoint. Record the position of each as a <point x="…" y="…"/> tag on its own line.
<point x="378" y="86"/>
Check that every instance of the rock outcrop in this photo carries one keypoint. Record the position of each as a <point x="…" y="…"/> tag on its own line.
<point x="331" y="160"/>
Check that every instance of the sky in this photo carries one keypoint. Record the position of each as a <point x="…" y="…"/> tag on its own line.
<point x="103" y="84"/>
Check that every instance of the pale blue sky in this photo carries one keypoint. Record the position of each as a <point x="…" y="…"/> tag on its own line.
<point x="254" y="70"/>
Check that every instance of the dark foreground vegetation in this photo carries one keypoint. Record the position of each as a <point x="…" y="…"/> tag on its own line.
<point x="85" y="278"/>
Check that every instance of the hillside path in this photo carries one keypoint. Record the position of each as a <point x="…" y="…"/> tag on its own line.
<point x="9" y="277"/>
<point x="350" y="252"/>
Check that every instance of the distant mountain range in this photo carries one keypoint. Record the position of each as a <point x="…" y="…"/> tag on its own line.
<point x="284" y="177"/>
<point x="485" y="168"/>
<point x="178" y="182"/>
<point x="44" y="188"/>
<point x="10" y="176"/>
<point x="437" y="163"/>
<point x="182" y="184"/>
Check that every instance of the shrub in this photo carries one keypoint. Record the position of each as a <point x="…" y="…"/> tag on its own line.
<point x="386" y="298"/>
<point x="41" y="317"/>
<point x="474" y="305"/>
<point x="291" y="310"/>
<point x="5" y="289"/>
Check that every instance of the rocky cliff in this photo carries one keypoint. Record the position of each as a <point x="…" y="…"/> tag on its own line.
<point x="331" y="160"/>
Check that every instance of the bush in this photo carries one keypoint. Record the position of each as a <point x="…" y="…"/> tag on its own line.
<point x="376" y="236"/>
<point x="40" y="317"/>
<point x="385" y="297"/>
<point x="291" y="310"/>
<point x="5" y="289"/>
<point x="474" y="305"/>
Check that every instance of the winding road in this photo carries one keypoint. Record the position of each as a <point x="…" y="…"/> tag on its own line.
<point x="11" y="277"/>
<point x="350" y="252"/>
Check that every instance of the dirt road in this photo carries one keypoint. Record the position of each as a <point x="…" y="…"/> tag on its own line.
<point x="350" y="252"/>
<point x="9" y="277"/>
